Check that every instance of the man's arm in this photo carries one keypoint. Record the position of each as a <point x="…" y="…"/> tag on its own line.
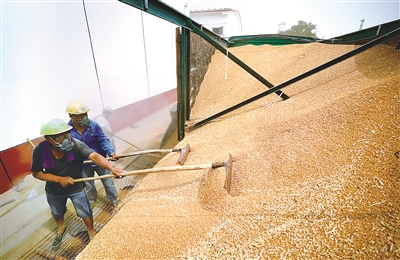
<point x="62" y="180"/>
<point x="103" y="140"/>
<point x="104" y="163"/>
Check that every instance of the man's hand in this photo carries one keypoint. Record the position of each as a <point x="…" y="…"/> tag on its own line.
<point x="114" y="157"/>
<point x="66" y="181"/>
<point x="102" y="162"/>
<point x="117" y="172"/>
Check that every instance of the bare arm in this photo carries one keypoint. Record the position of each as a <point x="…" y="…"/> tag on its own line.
<point x="62" y="180"/>
<point x="104" y="163"/>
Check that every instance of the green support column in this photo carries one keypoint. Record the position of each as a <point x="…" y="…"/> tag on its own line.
<point x="184" y="76"/>
<point x="187" y="73"/>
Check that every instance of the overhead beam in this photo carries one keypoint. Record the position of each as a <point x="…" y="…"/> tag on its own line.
<point x="167" y="13"/>
<point x="163" y="11"/>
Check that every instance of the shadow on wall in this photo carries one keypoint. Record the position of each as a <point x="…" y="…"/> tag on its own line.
<point x="171" y="134"/>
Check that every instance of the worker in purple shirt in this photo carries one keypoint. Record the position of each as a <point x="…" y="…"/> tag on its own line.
<point x="90" y="132"/>
<point x="58" y="161"/>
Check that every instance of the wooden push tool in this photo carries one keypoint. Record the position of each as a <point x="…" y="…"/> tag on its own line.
<point x="182" y="157"/>
<point x="227" y="165"/>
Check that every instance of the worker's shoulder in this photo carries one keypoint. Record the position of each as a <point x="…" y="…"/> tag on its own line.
<point x="39" y="146"/>
<point x="81" y="146"/>
<point x="94" y="127"/>
<point x="94" y="123"/>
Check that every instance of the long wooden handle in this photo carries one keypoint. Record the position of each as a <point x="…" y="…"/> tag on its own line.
<point x="137" y="153"/>
<point x="161" y="169"/>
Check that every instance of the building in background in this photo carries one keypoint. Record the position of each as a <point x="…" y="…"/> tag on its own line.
<point x="224" y="22"/>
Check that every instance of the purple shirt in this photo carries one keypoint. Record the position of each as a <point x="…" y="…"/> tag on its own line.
<point x="69" y="165"/>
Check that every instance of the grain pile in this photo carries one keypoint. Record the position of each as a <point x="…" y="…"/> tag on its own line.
<point x="314" y="177"/>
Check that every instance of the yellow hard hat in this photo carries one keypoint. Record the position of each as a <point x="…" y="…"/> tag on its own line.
<point x="54" y="126"/>
<point x="77" y="107"/>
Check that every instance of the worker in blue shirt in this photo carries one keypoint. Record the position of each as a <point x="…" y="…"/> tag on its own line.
<point x="90" y="132"/>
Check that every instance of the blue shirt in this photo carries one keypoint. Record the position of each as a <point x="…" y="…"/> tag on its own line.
<point x="94" y="137"/>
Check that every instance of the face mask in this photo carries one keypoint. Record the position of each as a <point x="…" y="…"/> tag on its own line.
<point x="84" y="121"/>
<point x="66" y="143"/>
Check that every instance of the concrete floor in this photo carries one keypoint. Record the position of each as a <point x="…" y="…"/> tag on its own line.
<point x="25" y="217"/>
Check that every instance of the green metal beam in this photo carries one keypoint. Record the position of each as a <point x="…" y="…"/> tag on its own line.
<point x="365" y="35"/>
<point x="185" y="68"/>
<point x="271" y="39"/>
<point x="167" y="13"/>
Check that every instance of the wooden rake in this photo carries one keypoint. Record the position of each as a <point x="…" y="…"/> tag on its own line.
<point x="227" y="164"/>
<point x="182" y="157"/>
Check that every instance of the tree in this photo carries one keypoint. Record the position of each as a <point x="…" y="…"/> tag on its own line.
<point x="302" y="29"/>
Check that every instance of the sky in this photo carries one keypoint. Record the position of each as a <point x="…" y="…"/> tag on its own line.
<point x="46" y="56"/>
<point x="333" y="18"/>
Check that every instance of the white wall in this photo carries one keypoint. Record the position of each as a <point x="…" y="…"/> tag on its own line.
<point x="46" y="60"/>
